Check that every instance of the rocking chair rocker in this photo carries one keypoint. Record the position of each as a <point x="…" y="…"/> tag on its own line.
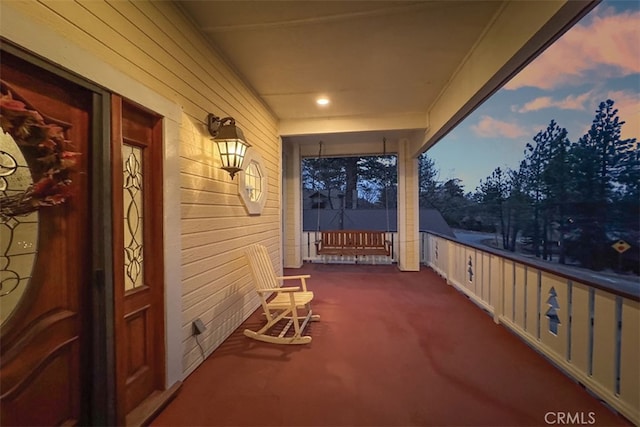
<point x="285" y="304"/>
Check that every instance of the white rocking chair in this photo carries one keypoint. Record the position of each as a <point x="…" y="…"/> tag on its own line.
<point x="284" y="305"/>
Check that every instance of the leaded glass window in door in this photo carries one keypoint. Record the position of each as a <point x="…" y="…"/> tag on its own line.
<point x="18" y="234"/>
<point x="133" y="216"/>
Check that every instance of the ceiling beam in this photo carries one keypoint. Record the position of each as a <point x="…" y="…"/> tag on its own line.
<point x="353" y="124"/>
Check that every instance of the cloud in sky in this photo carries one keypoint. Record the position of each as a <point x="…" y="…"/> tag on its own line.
<point x="571" y="102"/>
<point x="605" y="46"/>
<point x="627" y="102"/>
<point x="488" y="127"/>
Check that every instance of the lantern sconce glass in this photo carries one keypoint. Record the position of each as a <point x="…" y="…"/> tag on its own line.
<point x="230" y="141"/>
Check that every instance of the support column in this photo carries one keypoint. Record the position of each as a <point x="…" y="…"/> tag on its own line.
<point x="408" y="209"/>
<point x="291" y="206"/>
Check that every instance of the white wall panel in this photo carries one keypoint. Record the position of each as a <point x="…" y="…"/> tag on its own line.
<point x="532" y="304"/>
<point x="520" y="278"/>
<point x="155" y="44"/>
<point x="485" y="275"/>
<point x="459" y="264"/>
<point x="604" y="336"/>
<point x="496" y="278"/>
<point x="630" y="346"/>
<point x="507" y="307"/>
<point x="580" y="327"/>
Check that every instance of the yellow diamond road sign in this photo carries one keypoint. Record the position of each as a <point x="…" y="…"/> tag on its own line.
<point x="621" y="246"/>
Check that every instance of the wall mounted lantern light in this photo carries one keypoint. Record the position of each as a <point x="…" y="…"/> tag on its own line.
<point x="230" y="141"/>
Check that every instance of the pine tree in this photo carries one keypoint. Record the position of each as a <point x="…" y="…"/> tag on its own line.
<point x="326" y="174"/>
<point x="382" y="171"/>
<point x="602" y="161"/>
<point x="534" y="161"/>
<point x="518" y="203"/>
<point x="555" y="177"/>
<point x="428" y="181"/>
<point x="492" y="194"/>
<point x="451" y="201"/>
<point x="351" y="185"/>
<point x="624" y="215"/>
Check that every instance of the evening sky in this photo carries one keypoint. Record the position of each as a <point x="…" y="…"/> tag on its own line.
<point x="597" y="59"/>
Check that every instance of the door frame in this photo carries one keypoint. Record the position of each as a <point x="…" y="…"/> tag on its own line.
<point x="101" y="372"/>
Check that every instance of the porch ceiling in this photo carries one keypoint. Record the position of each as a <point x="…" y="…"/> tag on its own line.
<point x="385" y="65"/>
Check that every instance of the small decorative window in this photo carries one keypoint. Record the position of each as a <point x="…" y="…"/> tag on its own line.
<point x="252" y="183"/>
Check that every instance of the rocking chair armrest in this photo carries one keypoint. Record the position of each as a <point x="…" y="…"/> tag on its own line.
<point x="287" y="289"/>
<point x="302" y="278"/>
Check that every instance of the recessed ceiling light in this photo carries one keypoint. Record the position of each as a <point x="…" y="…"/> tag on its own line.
<point x="322" y="101"/>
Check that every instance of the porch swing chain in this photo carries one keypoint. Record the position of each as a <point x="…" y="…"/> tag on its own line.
<point x="315" y="184"/>
<point x="386" y="182"/>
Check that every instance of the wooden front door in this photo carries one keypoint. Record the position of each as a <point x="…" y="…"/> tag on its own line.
<point x="138" y="258"/>
<point x="45" y="256"/>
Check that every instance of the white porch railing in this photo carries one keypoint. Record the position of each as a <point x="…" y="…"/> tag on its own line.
<point x="309" y="252"/>
<point x="591" y="332"/>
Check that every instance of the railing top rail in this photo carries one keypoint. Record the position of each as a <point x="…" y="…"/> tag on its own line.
<point x="626" y="290"/>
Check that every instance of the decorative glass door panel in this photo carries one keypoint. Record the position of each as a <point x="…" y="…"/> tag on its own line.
<point x="133" y="203"/>
<point x="18" y="234"/>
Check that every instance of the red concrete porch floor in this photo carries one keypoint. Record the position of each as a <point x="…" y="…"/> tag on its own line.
<point x="391" y="349"/>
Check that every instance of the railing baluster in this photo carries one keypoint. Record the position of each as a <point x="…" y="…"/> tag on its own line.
<point x="618" y="344"/>
<point x="629" y="350"/>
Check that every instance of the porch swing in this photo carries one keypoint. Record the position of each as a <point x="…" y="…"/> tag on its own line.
<point x="354" y="243"/>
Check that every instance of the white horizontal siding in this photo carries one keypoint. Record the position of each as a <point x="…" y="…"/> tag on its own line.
<point x="156" y="44"/>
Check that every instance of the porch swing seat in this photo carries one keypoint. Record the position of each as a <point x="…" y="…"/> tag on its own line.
<point x="353" y="243"/>
<point x="279" y="304"/>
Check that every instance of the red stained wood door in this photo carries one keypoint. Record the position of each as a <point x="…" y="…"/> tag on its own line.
<point x="45" y="340"/>
<point x="138" y="257"/>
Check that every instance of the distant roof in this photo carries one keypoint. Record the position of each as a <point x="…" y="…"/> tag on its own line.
<point x="432" y="220"/>
<point x="322" y="193"/>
